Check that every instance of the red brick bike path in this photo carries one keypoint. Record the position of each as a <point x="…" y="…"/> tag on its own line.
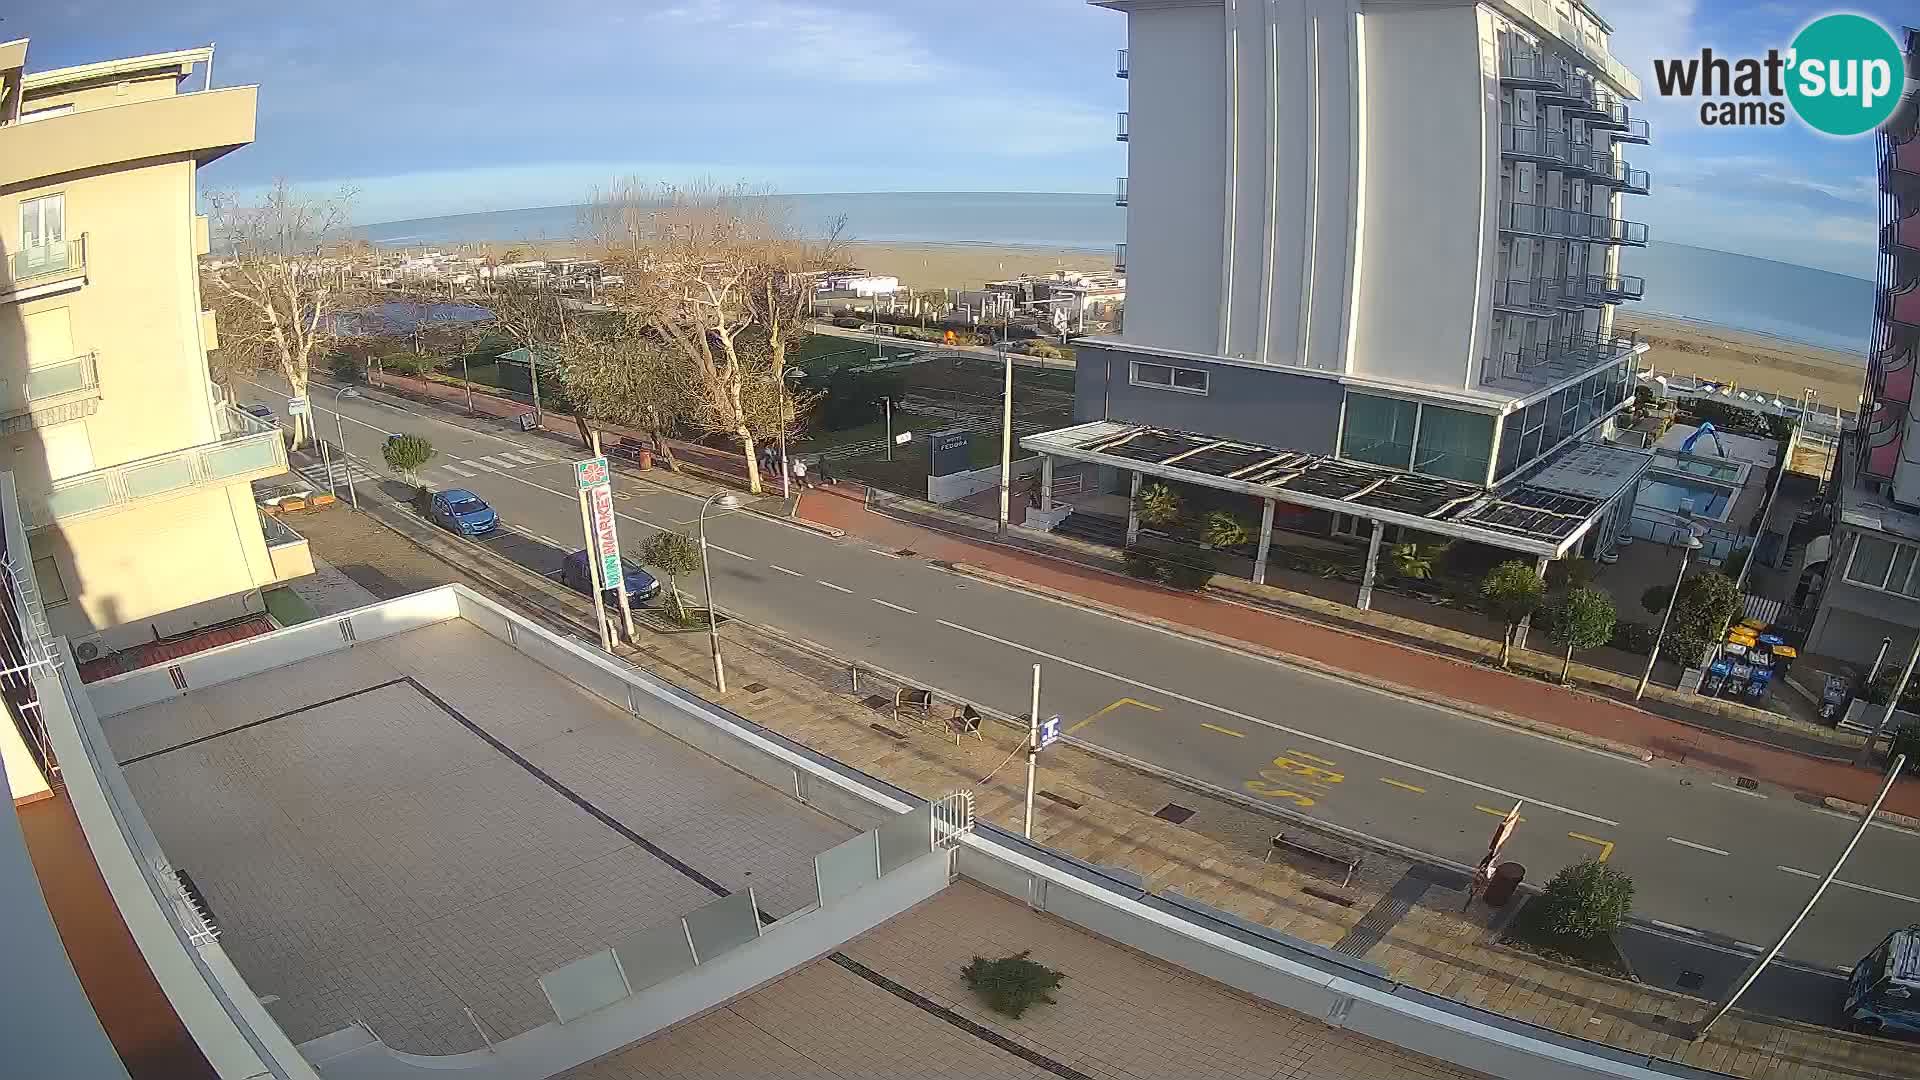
<point x="1457" y="680"/>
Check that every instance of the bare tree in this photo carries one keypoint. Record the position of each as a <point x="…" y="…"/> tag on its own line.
<point x="623" y="375"/>
<point x="541" y="321"/>
<point x="274" y="298"/>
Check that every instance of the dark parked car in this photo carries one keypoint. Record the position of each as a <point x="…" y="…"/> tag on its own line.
<point x="263" y="412"/>
<point x="461" y="511"/>
<point x="641" y="586"/>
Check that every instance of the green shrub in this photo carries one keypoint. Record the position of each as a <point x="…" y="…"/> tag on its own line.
<point x="1510" y="592"/>
<point x="405" y="454"/>
<point x="673" y="554"/>
<point x="1188" y="570"/>
<point x="1633" y="637"/>
<point x="845" y="323"/>
<point x="1140" y="564"/>
<point x="1226" y="530"/>
<point x="1044" y="350"/>
<point x="347" y="367"/>
<point x="1906" y="741"/>
<point x="1012" y="984"/>
<point x="1159" y="505"/>
<point x="406" y="364"/>
<point x="1587" y="900"/>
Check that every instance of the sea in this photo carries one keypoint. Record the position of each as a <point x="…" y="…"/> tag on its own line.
<point x="1717" y="288"/>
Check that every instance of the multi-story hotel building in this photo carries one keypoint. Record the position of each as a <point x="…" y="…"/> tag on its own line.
<point x="1384" y="238"/>
<point x="1863" y="572"/>
<point x="132" y="474"/>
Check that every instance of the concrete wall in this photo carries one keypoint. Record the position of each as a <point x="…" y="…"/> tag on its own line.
<point x="1424" y="288"/>
<point x="158" y="568"/>
<point x="955" y="486"/>
<point x="1272" y="407"/>
<point x="1176" y="176"/>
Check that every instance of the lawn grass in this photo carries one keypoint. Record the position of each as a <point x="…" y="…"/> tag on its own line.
<point x="1527" y="932"/>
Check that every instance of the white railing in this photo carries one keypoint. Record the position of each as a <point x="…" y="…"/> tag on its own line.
<point x="952" y="818"/>
<point x="1120" y="64"/>
<point x="246" y="447"/>
<point x="54" y="380"/>
<point x="1120" y="132"/>
<point x="42" y="263"/>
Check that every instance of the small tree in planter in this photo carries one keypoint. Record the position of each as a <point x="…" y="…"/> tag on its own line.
<point x="1011" y="984"/>
<point x="1512" y="591"/>
<point x="1416" y="561"/>
<point x="1584" y="621"/>
<point x="673" y="554"/>
<point x="405" y="455"/>
<point x="1587" y="900"/>
<point x="1225" y="530"/>
<point x="1159" y="505"/>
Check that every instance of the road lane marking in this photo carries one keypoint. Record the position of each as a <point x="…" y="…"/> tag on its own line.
<point x="548" y="539"/>
<point x="1605" y="846"/>
<point x="1404" y="786"/>
<point x="519" y="459"/>
<point x="452" y="467"/>
<point x="1697" y="847"/>
<point x="1676" y="928"/>
<point x="835" y="588"/>
<point x="1310" y="757"/>
<point x="480" y="464"/>
<point x="891" y="604"/>
<point x="1223" y="731"/>
<point x="1110" y="708"/>
<point x="730" y="551"/>
<point x="784" y="570"/>
<point x="888" y="554"/>
<point x="1852" y="885"/>
<point x="499" y="461"/>
<point x="1498" y="813"/>
<point x="1324" y="676"/>
<point x="1738" y="791"/>
<point x="1251" y="719"/>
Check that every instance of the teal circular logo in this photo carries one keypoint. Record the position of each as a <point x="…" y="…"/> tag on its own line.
<point x="1845" y="74"/>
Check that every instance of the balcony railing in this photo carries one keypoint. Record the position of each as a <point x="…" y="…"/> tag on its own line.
<point x="1906" y="157"/>
<point x="1526" y="67"/>
<point x="1633" y="131"/>
<point x="1535" y="298"/>
<point x="246" y="449"/>
<point x="1617" y="173"/>
<point x="1534" y="144"/>
<point x="1120" y="191"/>
<point x="1617" y="287"/>
<point x="44" y="384"/>
<point x="1561" y="224"/>
<point x="1119" y="258"/>
<point x="1120" y="133"/>
<point x="1901" y="233"/>
<point x="1120" y="65"/>
<point x="43" y="265"/>
<point x="276" y="533"/>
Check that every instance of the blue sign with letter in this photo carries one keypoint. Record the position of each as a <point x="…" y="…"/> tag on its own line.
<point x="1049" y="732"/>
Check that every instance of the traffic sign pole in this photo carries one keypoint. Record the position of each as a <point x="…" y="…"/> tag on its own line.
<point x="1033" y="750"/>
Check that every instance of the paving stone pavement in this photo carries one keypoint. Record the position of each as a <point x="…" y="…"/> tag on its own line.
<point x="1216" y="857"/>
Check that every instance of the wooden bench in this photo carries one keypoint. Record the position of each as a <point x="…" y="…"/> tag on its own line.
<point x="964" y="723"/>
<point x="1322" y="851"/>
<point x="914" y="704"/>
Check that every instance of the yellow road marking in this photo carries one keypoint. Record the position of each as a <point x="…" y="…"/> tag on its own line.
<point x="1309" y="757"/>
<point x="1606" y="846"/>
<point x="1110" y="708"/>
<point x="1398" y="784"/>
<point x="1223" y="731"/>
<point x="1495" y="813"/>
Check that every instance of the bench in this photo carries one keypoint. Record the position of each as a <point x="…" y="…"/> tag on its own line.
<point x="913" y="704"/>
<point x="965" y="723"/>
<point x="1322" y="851"/>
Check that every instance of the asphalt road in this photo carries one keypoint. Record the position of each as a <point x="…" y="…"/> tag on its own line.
<point x="1705" y="855"/>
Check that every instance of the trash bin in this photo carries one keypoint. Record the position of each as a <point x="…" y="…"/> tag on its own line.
<point x="1506" y="878"/>
<point x="645" y="458"/>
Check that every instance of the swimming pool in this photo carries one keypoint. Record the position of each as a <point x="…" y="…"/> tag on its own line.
<point x="1666" y="493"/>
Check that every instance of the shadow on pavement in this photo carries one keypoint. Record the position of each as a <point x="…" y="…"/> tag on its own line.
<point x="1792" y="993"/>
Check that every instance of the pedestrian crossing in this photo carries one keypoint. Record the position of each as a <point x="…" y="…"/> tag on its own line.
<point x="341" y="474"/>
<point x="454" y="470"/>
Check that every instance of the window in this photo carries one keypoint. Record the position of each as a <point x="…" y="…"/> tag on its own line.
<point x="1883" y="564"/>
<point x="1454" y="444"/>
<point x="1166" y="377"/>
<point x="43" y="222"/>
<point x="1379" y="430"/>
<point x="46" y="576"/>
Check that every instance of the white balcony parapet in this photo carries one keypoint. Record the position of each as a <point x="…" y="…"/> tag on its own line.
<point x="45" y="384"/>
<point x="246" y="449"/>
<point x="30" y="268"/>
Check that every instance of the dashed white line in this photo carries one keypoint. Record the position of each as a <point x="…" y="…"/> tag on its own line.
<point x="1738" y="791"/>
<point x="730" y="551"/>
<point x="888" y="554"/>
<point x="1852" y="885"/>
<point x="1222" y="710"/>
<point x="894" y="606"/>
<point x="1696" y="847"/>
<point x="784" y="570"/>
<point x="831" y="585"/>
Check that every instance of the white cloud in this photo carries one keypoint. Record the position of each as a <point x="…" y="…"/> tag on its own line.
<point x="805" y="40"/>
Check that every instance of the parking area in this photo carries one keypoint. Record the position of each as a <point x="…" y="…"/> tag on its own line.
<point x="424" y="825"/>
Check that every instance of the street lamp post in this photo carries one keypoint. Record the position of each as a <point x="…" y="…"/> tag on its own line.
<point x="726" y="501"/>
<point x="1006" y="436"/>
<point x="1686" y="553"/>
<point x="340" y="432"/>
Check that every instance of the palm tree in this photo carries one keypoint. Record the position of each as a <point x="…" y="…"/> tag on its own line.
<point x="1158" y="505"/>
<point x="1414" y="561"/>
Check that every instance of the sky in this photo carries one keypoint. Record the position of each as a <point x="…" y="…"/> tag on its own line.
<point x="430" y="107"/>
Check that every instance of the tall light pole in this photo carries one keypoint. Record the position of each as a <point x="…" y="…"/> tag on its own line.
<point x="1753" y="973"/>
<point x="726" y="501"/>
<point x="1686" y="553"/>
<point x="1033" y="752"/>
<point x="340" y="431"/>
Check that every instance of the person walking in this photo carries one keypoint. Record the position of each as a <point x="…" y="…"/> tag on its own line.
<point x="800" y="474"/>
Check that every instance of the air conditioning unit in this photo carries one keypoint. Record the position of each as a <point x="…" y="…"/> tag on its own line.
<point x="87" y="651"/>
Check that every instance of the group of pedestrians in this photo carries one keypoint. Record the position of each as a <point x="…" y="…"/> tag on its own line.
<point x="803" y="476"/>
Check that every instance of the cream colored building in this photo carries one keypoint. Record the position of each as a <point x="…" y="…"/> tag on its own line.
<point x="133" y="476"/>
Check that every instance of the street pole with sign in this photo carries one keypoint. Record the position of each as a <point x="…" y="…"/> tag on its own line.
<point x="1040" y="735"/>
<point x="1483" y="874"/>
<point x="602" y="543"/>
<point x="620" y="590"/>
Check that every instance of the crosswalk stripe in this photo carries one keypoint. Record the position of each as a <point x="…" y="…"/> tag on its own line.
<point x="495" y="461"/>
<point x="480" y="464"/>
<point x="537" y="455"/>
<point x="520" y="459"/>
<point x="451" y="467"/>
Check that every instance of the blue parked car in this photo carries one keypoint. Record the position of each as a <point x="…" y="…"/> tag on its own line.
<point x="641" y="586"/>
<point x="459" y="510"/>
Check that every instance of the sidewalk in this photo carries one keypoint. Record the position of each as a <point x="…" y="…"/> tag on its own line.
<point x="1397" y="914"/>
<point x="1466" y="685"/>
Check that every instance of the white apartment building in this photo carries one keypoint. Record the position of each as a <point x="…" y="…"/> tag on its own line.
<point x="1382" y="232"/>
